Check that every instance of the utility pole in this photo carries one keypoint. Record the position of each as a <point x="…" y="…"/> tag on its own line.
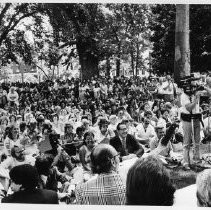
<point x="182" y="44"/>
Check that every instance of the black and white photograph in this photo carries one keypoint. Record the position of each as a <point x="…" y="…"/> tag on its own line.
<point x="105" y="104"/>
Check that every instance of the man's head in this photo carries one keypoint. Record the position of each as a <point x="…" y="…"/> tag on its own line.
<point x="17" y="152"/>
<point x="103" y="125"/>
<point x="146" y="122"/>
<point x="68" y="128"/>
<point x="122" y="130"/>
<point x="121" y="112"/>
<point x="160" y="132"/>
<point x="168" y="77"/>
<point x="113" y="119"/>
<point x="23" y="177"/>
<point x="148" y="115"/>
<point x="104" y="159"/>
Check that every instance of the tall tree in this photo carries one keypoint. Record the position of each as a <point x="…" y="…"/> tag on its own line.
<point x="182" y="45"/>
<point x="78" y="24"/>
<point x="163" y="37"/>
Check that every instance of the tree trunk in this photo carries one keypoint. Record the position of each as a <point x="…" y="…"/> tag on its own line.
<point x="137" y="59"/>
<point x="182" y="45"/>
<point x="132" y="62"/>
<point x="108" y="66"/>
<point x="88" y="61"/>
<point x="118" y="61"/>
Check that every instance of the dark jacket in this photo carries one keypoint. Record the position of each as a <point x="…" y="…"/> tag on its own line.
<point x="132" y="145"/>
<point x="36" y="196"/>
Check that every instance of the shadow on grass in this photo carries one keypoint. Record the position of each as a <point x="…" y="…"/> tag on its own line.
<point x="182" y="178"/>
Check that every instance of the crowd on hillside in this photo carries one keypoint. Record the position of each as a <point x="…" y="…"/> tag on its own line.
<point x="67" y="141"/>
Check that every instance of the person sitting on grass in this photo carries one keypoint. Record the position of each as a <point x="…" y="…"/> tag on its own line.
<point x="24" y="182"/>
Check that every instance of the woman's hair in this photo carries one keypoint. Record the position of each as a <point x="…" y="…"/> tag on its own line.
<point x="22" y="126"/>
<point x="25" y="175"/>
<point x="148" y="183"/>
<point x="10" y="134"/>
<point x="88" y="133"/>
<point x="55" y="115"/>
<point x="6" y="132"/>
<point x="203" y="183"/>
<point x="79" y="129"/>
<point x="47" y="126"/>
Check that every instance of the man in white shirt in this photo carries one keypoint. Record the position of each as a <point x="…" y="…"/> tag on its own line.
<point x="191" y="117"/>
<point x="144" y="132"/>
<point x="102" y="133"/>
<point x="156" y="140"/>
<point x="17" y="158"/>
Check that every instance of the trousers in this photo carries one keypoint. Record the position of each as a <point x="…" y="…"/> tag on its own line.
<point x="188" y="138"/>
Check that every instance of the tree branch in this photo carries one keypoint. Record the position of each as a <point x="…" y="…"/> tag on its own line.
<point x="40" y="69"/>
<point x="7" y="6"/>
<point x="7" y="30"/>
<point x="72" y="42"/>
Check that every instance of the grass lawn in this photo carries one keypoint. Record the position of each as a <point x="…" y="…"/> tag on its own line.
<point x="182" y="178"/>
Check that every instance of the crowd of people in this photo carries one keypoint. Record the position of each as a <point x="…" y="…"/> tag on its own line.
<point x="65" y="141"/>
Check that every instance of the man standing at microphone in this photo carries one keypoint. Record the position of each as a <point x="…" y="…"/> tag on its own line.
<point x="191" y="118"/>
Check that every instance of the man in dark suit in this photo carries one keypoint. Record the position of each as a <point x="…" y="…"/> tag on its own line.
<point x="126" y="144"/>
<point x="24" y="181"/>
